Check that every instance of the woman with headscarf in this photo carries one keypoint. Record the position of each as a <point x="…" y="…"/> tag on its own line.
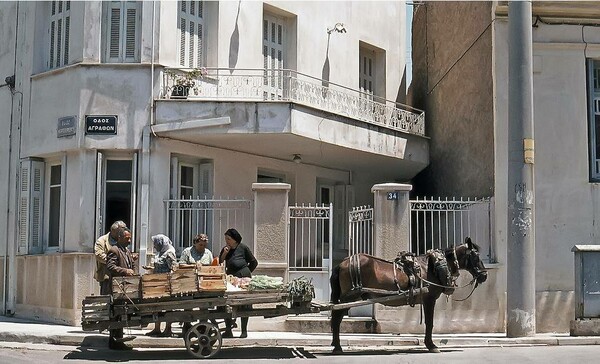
<point x="239" y="262"/>
<point x="164" y="260"/>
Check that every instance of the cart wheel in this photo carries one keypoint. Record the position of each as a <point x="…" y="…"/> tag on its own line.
<point x="203" y="340"/>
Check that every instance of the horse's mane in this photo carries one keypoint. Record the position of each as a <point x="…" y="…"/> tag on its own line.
<point x="446" y="251"/>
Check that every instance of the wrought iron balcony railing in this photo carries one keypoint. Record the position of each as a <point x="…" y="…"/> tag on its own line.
<point x="290" y="86"/>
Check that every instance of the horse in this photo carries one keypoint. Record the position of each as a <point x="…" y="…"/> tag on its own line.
<point x="363" y="276"/>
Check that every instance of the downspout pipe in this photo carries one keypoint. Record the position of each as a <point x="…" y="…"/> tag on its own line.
<point x="9" y="254"/>
<point x="145" y="165"/>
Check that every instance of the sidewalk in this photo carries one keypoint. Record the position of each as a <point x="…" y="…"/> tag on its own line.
<point x="19" y="330"/>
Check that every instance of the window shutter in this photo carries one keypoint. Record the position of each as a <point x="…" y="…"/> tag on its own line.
<point x="52" y="40"/>
<point x="59" y="29"/>
<point x="131" y="32"/>
<point x="36" y="192"/>
<point x="191" y="34"/>
<point x="24" y="207"/>
<point x="67" y="30"/>
<point x="114" y="33"/>
<point x="59" y="42"/>
<point x="100" y="194"/>
<point x="182" y="34"/>
<point x="206" y="185"/>
<point x="30" y="207"/>
<point x="274" y="55"/>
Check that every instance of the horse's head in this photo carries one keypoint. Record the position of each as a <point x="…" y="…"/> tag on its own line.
<point x="467" y="257"/>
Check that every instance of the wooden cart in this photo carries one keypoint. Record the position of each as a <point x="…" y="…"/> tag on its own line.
<point x="204" y="339"/>
<point x="208" y="309"/>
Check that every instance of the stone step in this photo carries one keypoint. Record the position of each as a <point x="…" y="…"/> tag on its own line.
<point x="321" y="324"/>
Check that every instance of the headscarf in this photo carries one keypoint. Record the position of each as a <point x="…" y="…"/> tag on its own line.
<point x="162" y="244"/>
<point x="234" y="234"/>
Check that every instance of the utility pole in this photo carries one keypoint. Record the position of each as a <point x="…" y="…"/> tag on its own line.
<point x="520" y="307"/>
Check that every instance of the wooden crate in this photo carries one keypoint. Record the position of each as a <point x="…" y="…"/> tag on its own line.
<point x="126" y="288"/>
<point x="211" y="278"/>
<point x="211" y="270"/>
<point x="94" y="309"/>
<point x="184" y="281"/>
<point x="156" y="285"/>
<point x="211" y="284"/>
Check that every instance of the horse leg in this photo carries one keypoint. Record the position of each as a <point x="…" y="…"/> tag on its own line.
<point x="428" y="310"/>
<point x="336" y="321"/>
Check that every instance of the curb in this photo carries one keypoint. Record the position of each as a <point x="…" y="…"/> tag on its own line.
<point x="100" y="341"/>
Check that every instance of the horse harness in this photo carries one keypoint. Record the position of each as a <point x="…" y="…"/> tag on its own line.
<point x="407" y="263"/>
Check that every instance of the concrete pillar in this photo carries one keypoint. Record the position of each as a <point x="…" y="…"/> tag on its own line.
<point x="271" y="229"/>
<point x="391" y="219"/>
<point x="520" y="258"/>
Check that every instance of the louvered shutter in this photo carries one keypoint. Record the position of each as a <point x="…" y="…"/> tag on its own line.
<point x="205" y="180"/>
<point x="122" y="38"/>
<point x="24" y="208"/>
<point x="60" y="27"/>
<point x="36" y="189"/>
<point x="30" y="207"/>
<point x="191" y="34"/>
<point x="114" y="32"/>
<point x="131" y="39"/>
<point x="274" y="56"/>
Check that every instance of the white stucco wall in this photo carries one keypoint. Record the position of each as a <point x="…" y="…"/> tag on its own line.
<point x="566" y="203"/>
<point x="89" y="87"/>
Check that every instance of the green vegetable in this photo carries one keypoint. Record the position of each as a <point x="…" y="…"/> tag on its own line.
<point x="265" y="282"/>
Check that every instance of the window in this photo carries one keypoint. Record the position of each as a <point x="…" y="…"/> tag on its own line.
<point x="116" y="191"/>
<point x="274" y="33"/>
<point x="594" y="119"/>
<point x="60" y="24"/>
<point x="118" y="187"/>
<point x="191" y="180"/>
<point x="122" y="34"/>
<point x="366" y="70"/>
<point x="54" y="212"/>
<point x="192" y="48"/>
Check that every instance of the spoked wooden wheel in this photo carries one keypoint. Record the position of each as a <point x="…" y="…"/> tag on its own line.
<point x="203" y="340"/>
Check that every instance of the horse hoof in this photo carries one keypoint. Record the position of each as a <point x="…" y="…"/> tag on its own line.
<point x="434" y="350"/>
<point x="337" y="351"/>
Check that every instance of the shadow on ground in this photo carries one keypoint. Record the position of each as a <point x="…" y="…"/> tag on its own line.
<point x="248" y="353"/>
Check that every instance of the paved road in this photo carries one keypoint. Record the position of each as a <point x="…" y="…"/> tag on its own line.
<point x="16" y="353"/>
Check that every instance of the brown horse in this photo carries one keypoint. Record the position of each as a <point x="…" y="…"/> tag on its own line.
<point x="365" y="277"/>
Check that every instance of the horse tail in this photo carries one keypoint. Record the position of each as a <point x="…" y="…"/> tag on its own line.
<point x="334" y="281"/>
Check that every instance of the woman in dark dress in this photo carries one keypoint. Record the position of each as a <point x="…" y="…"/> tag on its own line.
<point x="239" y="262"/>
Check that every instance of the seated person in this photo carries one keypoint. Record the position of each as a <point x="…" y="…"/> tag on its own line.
<point x="197" y="253"/>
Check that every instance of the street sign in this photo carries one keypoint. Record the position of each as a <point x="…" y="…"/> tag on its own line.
<point x="101" y="124"/>
<point x="67" y="126"/>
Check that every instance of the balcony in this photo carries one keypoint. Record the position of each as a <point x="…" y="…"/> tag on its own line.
<point x="267" y="85"/>
<point x="282" y="113"/>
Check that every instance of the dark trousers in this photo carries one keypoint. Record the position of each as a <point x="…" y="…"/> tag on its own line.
<point x="115" y="334"/>
<point x="105" y="287"/>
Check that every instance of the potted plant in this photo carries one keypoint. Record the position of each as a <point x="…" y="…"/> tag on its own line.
<point x="184" y="81"/>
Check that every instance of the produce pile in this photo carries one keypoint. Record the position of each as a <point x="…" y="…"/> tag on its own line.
<point x="301" y="287"/>
<point x="265" y="282"/>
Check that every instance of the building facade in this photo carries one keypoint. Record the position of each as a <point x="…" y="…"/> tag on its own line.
<point x="119" y="108"/>
<point x="461" y="80"/>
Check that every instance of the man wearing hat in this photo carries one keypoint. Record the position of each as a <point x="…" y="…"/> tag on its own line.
<point x="198" y="252"/>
